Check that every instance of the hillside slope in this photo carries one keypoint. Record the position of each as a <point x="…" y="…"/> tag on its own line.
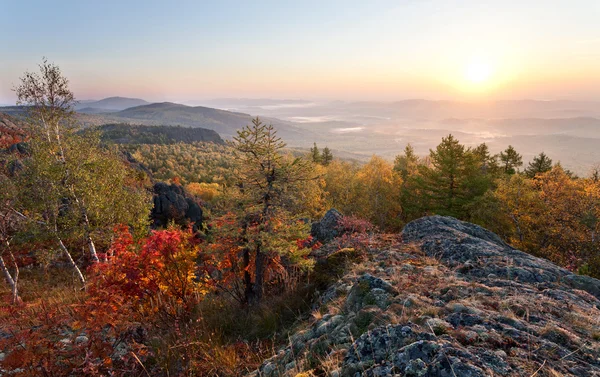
<point x="448" y="298"/>
<point x="226" y="123"/>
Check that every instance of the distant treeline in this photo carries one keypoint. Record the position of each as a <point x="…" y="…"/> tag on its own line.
<point x="122" y="133"/>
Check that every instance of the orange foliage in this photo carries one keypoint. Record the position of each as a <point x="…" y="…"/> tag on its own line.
<point x="157" y="281"/>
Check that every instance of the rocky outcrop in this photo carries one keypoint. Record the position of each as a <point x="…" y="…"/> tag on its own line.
<point x="328" y="227"/>
<point x="448" y="298"/>
<point x="172" y="204"/>
<point x="11" y="132"/>
<point x="483" y="256"/>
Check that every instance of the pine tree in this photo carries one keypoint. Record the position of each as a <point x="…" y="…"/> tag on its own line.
<point x="315" y="154"/>
<point x="452" y="182"/>
<point x="406" y="164"/>
<point x="326" y="156"/>
<point x="488" y="163"/>
<point x="540" y="164"/>
<point x="267" y="178"/>
<point x="510" y="160"/>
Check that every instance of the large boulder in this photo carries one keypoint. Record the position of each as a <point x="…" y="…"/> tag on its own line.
<point x="172" y="204"/>
<point x="328" y="228"/>
<point x="481" y="254"/>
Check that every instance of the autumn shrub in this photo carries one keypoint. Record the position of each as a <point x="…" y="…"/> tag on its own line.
<point x="151" y="287"/>
<point x="165" y="271"/>
<point x="355" y="233"/>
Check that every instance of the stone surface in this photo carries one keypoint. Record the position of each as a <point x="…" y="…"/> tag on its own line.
<point x="448" y="299"/>
<point x="171" y="203"/>
<point x="327" y="228"/>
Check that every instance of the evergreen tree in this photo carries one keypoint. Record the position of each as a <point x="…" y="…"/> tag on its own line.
<point x="452" y="182"/>
<point x="315" y="154"/>
<point x="540" y="164"/>
<point x="406" y="164"/>
<point x="267" y="179"/>
<point x="326" y="156"/>
<point x="488" y="163"/>
<point x="510" y="160"/>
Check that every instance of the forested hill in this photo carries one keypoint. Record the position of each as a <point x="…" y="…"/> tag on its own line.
<point x="172" y="113"/>
<point x="226" y="123"/>
<point x="140" y="134"/>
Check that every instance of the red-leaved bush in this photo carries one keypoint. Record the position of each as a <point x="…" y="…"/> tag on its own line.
<point x="142" y="286"/>
<point x="355" y="233"/>
<point x="168" y="263"/>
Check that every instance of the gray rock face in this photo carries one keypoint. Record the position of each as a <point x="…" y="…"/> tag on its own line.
<point x="369" y="290"/>
<point x="448" y="299"/>
<point x="404" y="350"/>
<point x="328" y="228"/>
<point x="171" y="203"/>
<point x="479" y="253"/>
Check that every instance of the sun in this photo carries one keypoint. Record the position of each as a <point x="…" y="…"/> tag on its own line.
<point x="478" y="71"/>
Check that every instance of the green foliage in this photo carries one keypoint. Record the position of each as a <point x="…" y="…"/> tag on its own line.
<point x="326" y="156"/>
<point x="315" y="154"/>
<point x="406" y="164"/>
<point x="510" y="160"/>
<point x="266" y="178"/>
<point x="457" y="176"/>
<point x="139" y="134"/>
<point x="540" y="164"/>
<point x="71" y="189"/>
<point x="89" y="181"/>
<point x="199" y="162"/>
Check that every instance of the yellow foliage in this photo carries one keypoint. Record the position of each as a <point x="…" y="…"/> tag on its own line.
<point x="371" y="191"/>
<point x="205" y="191"/>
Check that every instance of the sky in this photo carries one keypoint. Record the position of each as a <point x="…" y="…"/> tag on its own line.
<point x="347" y="50"/>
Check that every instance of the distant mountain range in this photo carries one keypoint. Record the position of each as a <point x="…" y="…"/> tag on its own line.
<point x="568" y="131"/>
<point x="110" y="104"/>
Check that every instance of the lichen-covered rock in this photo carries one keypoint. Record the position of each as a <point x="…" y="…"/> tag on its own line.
<point x="369" y="290"/>
<point x="479" y="253"/>
<point x="449" y="299"/>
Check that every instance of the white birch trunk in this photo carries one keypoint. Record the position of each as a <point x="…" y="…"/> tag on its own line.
<point x="71" y="261"/>
<point x="12" y="281"/>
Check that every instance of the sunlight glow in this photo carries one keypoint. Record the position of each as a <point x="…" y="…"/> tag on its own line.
<point x="478" y="71"/>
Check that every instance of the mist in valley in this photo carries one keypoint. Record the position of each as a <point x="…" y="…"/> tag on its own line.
<point x="568" y="131"/>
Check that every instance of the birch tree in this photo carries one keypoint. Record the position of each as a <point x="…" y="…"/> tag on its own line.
<point x="71" y="188"/>
<point x="9" y="223"/>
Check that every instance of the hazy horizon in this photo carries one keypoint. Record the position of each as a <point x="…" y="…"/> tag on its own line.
<point x="380" y="51"/>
